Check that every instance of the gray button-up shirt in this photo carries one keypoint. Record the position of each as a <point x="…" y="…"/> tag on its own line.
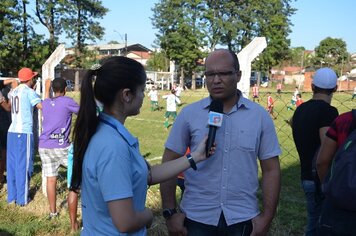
<point x="228" y="180"/>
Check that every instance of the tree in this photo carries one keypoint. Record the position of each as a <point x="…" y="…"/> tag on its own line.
<point x="10" y="36"/>
<point x="295" y="56"/>
<point x="50" y="14"/>
<point x="113" y="42"/>
<point x="19" y="44"/>
<point x="178" y="23"/>
<point x="79" y="23"/>
<point x="158" y="61"/>
<point x="274" y="24"/>
<point x="231" y="23"/>
<point x="331" y="52"/>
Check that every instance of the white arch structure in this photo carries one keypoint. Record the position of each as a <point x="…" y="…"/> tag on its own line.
<point x="246" y="56"/>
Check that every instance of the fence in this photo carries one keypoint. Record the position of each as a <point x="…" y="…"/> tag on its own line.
<point x="291" y="214"/>
<point x="149" y="127"/>
<point x="283" y="110"/>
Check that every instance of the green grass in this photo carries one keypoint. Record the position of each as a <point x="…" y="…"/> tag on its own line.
<point x="148" y="127"/>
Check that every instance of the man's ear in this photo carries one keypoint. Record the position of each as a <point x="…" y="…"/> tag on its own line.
<point x="238" y="74"/>
<point x="313" y="87"/>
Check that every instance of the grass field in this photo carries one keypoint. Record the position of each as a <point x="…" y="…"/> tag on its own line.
<point x="148" y="127"/>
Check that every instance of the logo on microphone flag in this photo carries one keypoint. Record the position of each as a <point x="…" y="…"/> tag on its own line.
<point x="215" y="119"/>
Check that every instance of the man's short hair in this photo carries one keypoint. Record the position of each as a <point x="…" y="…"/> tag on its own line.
<point x="235" y="60"/>
<point x="236" y="63"/>
<point x="59" y="85"/>
<point x="316" y="89"/>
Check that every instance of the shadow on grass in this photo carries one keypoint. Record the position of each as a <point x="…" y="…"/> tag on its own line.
<point x="37" y="171"/>
<point x="181" y="104"/>
<point x="146" y="155"/>
<point x="159" y="108"/>
<point x="5" y="233"/>
<point x="291" y="212"/>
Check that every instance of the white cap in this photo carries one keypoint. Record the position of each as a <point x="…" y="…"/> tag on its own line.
<point x="325" y="78"/>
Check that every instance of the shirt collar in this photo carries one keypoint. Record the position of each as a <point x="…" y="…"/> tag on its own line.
<point x="120" y="128"/>
<point x="242" y="102"/>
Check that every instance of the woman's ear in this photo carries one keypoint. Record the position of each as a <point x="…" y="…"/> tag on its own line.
<point x="126" y="95"/>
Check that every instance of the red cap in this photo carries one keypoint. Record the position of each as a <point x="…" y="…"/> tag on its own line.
<point x="25" y="74"/>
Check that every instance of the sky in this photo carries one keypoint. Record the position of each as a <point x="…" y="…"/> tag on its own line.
<point x="314" y="21"/>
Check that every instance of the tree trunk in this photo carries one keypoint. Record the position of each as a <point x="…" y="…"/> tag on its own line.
<point x="193" y="82"/>
<point x="24" y="32"/>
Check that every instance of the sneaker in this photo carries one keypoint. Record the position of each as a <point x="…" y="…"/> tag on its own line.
<point x="52" y="215"/>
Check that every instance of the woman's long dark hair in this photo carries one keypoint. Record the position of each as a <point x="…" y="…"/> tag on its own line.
<point x="115" y="73"/>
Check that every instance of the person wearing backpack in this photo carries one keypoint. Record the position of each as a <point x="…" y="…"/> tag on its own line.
<point x="310" y="122"/>
<point x="337" y="218"/>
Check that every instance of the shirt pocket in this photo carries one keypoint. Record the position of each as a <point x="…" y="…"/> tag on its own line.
<point x="243" y="139"/>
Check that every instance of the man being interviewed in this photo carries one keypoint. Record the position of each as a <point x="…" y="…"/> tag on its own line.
<point x="220" y="197"/>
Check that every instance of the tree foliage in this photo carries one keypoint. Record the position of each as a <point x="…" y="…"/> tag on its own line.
<point x="274" y="24"/>
<point x="10" y="36"/>
<point x="50" y="14"/>
<point x="331" y="52"/>
<point x="76" y="18"/>
<point x="179" y="32"/>
<point x="192" y="25"/>
<point x="80" y="23"/>
<point x="158" y="61"/>
<point x="19" y="44"/>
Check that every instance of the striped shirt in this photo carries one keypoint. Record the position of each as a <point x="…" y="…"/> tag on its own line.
<point x="255" y="91"/>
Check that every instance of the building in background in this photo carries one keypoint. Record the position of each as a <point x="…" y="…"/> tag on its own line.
<point x="137" y="51"/>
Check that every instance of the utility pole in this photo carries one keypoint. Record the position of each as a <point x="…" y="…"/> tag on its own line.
<point x="301" y="70"/>
<point x="125" y="44"/>
<point x="123" y="39"/>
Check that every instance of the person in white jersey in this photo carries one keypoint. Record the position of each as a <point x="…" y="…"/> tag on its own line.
<point x="171" y="109"/>
<point x="153" y="95"/>
<point x="20" y="142"/>
<point x="179" y="89"/>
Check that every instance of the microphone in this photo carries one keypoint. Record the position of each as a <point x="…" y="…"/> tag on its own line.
<point x="214" y="121"/>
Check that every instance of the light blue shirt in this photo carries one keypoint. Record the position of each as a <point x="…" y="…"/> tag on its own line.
<point x="23" y="99"/>
<point x="228" y="180"/>
<point x="113" y="169"/>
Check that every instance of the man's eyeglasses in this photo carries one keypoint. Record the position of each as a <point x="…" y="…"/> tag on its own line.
<point x="221" y="74"/>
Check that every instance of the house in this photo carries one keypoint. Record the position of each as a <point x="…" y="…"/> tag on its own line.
<point x="137" y="52"/>
<point x="288" y="74"/>
<point x="139" y="56"/>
